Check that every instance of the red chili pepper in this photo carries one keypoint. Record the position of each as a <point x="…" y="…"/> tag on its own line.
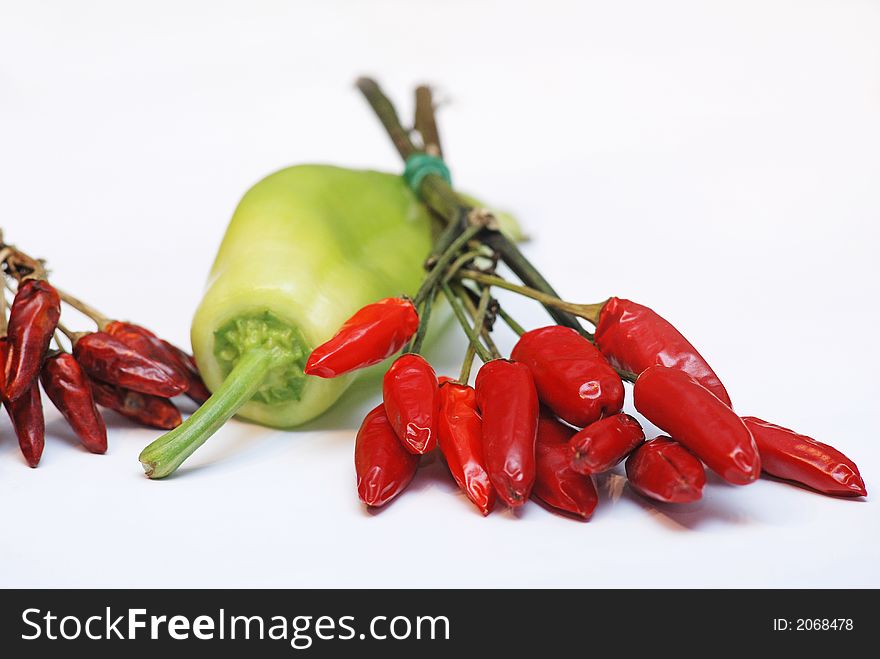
<point x="384" y="468"/>
<point x="571" y="375"/>
<point x="634" y="337"/>
<point x="460" y="436"/>
<point x="557" y="484"/>
<point x="371" y="335"/>
<point x="508" y="401"/>
<point x="153" y="411"/>
<point x="664" y="470"/>
<point x="110" y="360"/>
<point x="409" y="390"/>
<point x="26" y="414"/>
<point x="678" y="404"/>
<point x="195" y="387"/>
<point x="605" y="443"/>
<point x="33" y="318"/>
<point x="788" y="455"/>
<point x="69" y="389"/>
<point x="143" y="341"/>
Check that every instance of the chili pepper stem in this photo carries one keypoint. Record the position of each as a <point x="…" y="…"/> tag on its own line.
<point x="167" y="453"/>
<point x="100" y="319"/>
<point x="438" y="267"/>
<point x="441" y="198"/>
<point x="472" y="333"/>
<point x="589" y="312"/>
<point x="415" y="345"/>
<point x="511" y="323"/>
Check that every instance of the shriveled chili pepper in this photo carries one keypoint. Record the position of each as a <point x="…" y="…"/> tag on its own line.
<point x="556" y="483"/>
<point x="26" y="413"/>
<point x="678" y="404"/>
<point x="409" y="391"/>
<point x="33" y="318"/>
<point x="460" y="436"/>
<point x="605" y="443"/>
<point x="195" y="387"/>
<point x="384" y="468"/>
<point x="634" y="337"/>
<point x="146" y="343"/>
<point x="572" y="377"/>
<point x="664" y="470"/>
<point x="69" y="389"/>
<point x="153" y="411"/>
<point x="508" y="401"/>
<point x="374" y="333"/>
<point x="794" y="457"/>
<point x="108" y="359"/>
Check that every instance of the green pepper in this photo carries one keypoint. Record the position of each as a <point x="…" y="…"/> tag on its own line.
<point x="306" y="247"/>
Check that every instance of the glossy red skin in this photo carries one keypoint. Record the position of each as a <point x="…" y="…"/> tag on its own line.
<point x="68" y="388"/>
<point x="508" y="402"/>
<point x="409" y="391"/>
<point x="460" y="436"/>
<point x="679" y="405"/>
<point x="33" y="318"/>
<point x="147" y="410"/>
<point x="384" y="468"/>
<point x="605" y="443"/>
<point x="788" y="455"/>
<point x="634" y="338"/>
<point x="195" y="387"/>
<point x="664" y="470"/>
<point x="572" y="377"/>
<point x="556" y="483"/>
<point x="108" y="359"/>
<point x="370" y="336"/>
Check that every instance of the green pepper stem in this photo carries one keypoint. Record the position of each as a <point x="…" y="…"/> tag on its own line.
<point x="167" y="453"/>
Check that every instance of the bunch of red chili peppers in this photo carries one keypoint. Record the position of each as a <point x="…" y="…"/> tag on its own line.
<point x="543" y="422"/>
<point x="121" y="366"/>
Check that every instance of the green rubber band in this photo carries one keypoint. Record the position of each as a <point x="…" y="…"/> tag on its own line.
<point x="420" y="165"/>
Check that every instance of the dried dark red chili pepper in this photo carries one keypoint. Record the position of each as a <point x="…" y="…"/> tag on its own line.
<point x="605" y="443"/>
<point x="146" y="343"/>
<point x="678" y="404"/>
<point x="69" y="389"/>
<point x="26" y="414"/>
<point x="384" y="468"/>
<point x="409" y="391"/>
<point x="371" y="335"/>
<point x="508" y="401"/>
<point x="634" y="337"/>
<point x="794" y="457"/>
<point x="33" y="318"/>
<point x="460" y="436"/>
<point x="572" y="377"/>
<point x="153" y="411"/>
<point x="556" y="483"/>
<point x="195" y="387"/>
<point x="664" y="470"/>
<point x="110" y="360"/>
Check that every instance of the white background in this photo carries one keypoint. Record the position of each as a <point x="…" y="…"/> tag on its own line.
<point x="717" y="161"/>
